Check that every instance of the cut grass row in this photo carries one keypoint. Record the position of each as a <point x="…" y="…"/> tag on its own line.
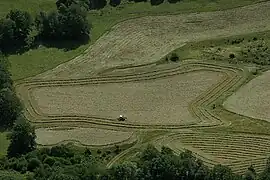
<point x="42" y="59"/>
<point x="238" y="155"/>
<point x="25" y="93"/>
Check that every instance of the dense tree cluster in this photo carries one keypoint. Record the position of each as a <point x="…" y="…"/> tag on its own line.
<point x="68" y="23"/>
<point x="64" y="163"/>
<point x="10" y="106"/>
<point x="15" y="31"/>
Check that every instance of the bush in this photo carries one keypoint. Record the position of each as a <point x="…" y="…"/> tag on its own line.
<point x="50" y="161"/>
<point x="232" y="56"/>
<point x="174" y="57"/>
<point x="115" y="3"/>
<point x="156" y="2"/>
<point x="33" y="164"/>
<point x="61" y="151"/>
<point x="173" y="1"/>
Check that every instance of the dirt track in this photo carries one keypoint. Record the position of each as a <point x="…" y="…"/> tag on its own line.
<point x="147" y="39"/>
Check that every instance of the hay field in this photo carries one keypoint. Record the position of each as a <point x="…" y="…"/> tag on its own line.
<point x="252" y="99"/>
<point x="160" y="101"/>
<point x="147" y="39"/>
<point x="236" y="150"/>
<point x="84" y="136"/>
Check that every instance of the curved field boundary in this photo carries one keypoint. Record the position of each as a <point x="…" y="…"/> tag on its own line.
<point x="236" y="159"/>
<point x="232" y="76"/>
<point x="133" y="139"/>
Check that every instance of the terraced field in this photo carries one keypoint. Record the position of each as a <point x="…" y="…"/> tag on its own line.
<point x="121" y="73"/>
<point x="238" y="151"/>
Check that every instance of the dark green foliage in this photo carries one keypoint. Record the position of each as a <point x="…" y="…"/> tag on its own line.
<point x="69" y="23"/>
<point x="97" y="4"/>
<point x="149" y="153"/>
<point x="33" y="164"/>
<point x="115" y="3"/>
<point x="50" y="161"/>
<point x="173" y="1"/>
<point x="174" y="57"/>
<point x="256" y="52"/>
<point x="231" y="56"/>
<point x="66" y="3"/>
<point x="156" y="2"/>
<point x="126" y="170"/>
<point x="62" y="151"/>
<point x="22" y="139"/>
<point x="10" y="107"/>
<point x="220" y="172"/>
<point x="15" y="31"/>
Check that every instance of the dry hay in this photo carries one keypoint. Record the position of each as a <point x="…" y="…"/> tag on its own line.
<point x="160" y="101"/>
<point x="252" y="99"/>
<point x="237" y="151"/>
<point x="83" y="136"/>
<point x="147" y="39"/>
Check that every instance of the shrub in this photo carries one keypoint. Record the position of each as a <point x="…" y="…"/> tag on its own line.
<point x="173" y="1"/>
<point x="61" y="151"/>
<point x="174" y="57"/>
<point x="33" y="164"/>
<point x="232" y="56"/>
<point x="50" y="161"/>
<point x="156" y="2"/>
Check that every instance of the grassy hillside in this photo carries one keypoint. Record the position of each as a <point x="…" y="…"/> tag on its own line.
<point x="44" y="58"/>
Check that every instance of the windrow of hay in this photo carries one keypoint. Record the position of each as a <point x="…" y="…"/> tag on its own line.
<point x="160" y="101"/>
<point x="147" y="39"/>
<point x="85" y="136"/>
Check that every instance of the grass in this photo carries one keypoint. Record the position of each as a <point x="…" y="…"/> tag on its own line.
<point x="32" y="6"/>
<point x="3" y="144"/>
<point x="39" y="60"/>
<point x="208" y="49"/>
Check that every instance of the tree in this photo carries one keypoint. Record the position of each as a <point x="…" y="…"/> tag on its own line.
<point x="10" y="107"/>
<point x="126" y="170"/>
<point x="68" y="23"/>
<point x="156" y="2"/>
<point x="97" y="4"/>
<point x="7" y="35"/>
<point x="115" y="3"/>
<point x="173" y="1"/>
<point x="220" y="172"/>
<point x="66" y="3"/>
<point x="15" y="31"/>
<point x="22" y="139"/>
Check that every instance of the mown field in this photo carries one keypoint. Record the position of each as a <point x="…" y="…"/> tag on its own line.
<point x="127" y="70"/>
<point x="42" y="59"/>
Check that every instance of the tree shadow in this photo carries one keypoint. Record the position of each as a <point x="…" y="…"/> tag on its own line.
<point x="66" y="45"/>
